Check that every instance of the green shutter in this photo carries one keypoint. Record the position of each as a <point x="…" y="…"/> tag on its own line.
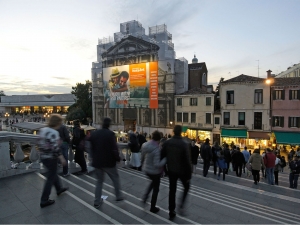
<point x="282" y="121"/>
<point x="290" y="94"/>
<point x="273" y="121"/>
<point x="290" y="121"/>
<point x="274" y="94"/>
<point x="283" y="94"/>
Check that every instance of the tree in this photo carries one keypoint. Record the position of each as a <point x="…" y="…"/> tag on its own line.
<point x="217" y="96"/>
<point x="82" y="108"/>
<point x="2" y="93"/>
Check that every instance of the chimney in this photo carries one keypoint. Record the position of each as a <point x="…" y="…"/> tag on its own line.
<point x="269" y="75"/>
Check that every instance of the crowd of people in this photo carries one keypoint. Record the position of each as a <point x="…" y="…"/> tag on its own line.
<point x="171" y="156"/>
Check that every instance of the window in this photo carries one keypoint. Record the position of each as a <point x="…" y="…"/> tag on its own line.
<point x="226" y="118"/>
<point x="294" y="94"/>
<point x="294" y="122"/>
<point x="278" y="95"/>
<point x="278" y="121"/>
<point x="185" y="117"/>
<point x="258" y="120"/>
<point x="179" y="101"/>
<point x="258" y="96"/>
<point x="193" y="117"/>
<point x="179" y="117"/>
<point x="241" y="118"/>
<point x="230" y="97"/>
<point x="208" y="100"/>
<point x="217" y="120"/>
<point x="208" y="118"/>
<point x="193" y="101"/>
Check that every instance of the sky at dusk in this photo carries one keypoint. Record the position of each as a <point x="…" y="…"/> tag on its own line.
<point x="49" y="46"/>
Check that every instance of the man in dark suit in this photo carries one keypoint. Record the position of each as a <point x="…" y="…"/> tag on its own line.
<point x="105" y="154"/>
<point x="176" y="151"/>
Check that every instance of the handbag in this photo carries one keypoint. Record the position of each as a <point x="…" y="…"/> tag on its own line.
<point x="248" y="166"/>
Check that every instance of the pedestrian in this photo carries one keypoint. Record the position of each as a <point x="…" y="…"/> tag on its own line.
<point x="215" y="148"/>
<point x="50" y="152"/>
<point x="78" y="137"/>
<point x="206" y="155"/>
<point x="176" y="151"/>
<point x="194" y="155"/>
<point x="264" y="174"/>
<point x="227" y="156"/>
<point x="135" y="159"/>
<point x="105" y="155"/>
<point x="269" y="161"/>
<point x="277" y="168"/>
<point x="294" y="172"/>
<point x="233" y="151"/>
<point x="153" y="167"/>
<point x="221" y="163"/>
<point x="64" y="147"/>
<point x="256" y="161"/>
<point x="246" y="156"/>
<point x="283" y="163"/>
<point x="238" y="161"/>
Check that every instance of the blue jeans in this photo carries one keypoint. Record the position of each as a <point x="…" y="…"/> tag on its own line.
<point x="64" y="149"/>
<point x="293" y="180"/>
<point x="270" y="175"/>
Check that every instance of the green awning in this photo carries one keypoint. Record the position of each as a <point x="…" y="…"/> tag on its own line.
<point x="288" y="138"/>
<point x="237" y="133"/>
<point x="184" y="128"/>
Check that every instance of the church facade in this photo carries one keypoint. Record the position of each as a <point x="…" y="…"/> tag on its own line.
<point x="132" y="46"/>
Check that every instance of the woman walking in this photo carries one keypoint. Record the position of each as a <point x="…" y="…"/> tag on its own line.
<point x="221" y="163"/>
<point x="152" y="166"/>
<point x="49" y="147"/>
<point x="256" y="161"/>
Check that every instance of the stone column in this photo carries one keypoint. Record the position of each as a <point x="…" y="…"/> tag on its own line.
<point x="19" y="156"/>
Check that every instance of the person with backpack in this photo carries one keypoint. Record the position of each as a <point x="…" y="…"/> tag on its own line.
<point x="221" y="163"/>
<point x="227" y="156"/>
<point x="215" y="148"/>
<point x="257" y="162"/>
<point x="65" y="138"/>
<point x="283" y="163"/>
<point x="77" y="142"/>
<point x="194" y="155"/>
<point x="269" y="161"/>
<point x="246" y="156"/>
<point x="206" y="155"/>
<point x="294" y="172"/>
<point x="238" y="161"/>
<point x="277" y="168"/>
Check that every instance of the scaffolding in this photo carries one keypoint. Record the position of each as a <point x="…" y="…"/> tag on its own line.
<point x="105" y="40"/>
<point x="158" y="29"/>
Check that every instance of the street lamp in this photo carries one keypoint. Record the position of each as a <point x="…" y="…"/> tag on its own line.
<point x="171" y="122"/>
<point x="6" y="115"/>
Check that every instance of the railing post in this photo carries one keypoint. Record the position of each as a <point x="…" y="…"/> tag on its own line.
<point x="34" y="158"/>
<point x="19" y="156"/>
<point x="5" y="157"/>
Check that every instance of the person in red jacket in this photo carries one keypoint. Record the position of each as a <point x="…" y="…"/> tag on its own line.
<point x="269" y="161"/>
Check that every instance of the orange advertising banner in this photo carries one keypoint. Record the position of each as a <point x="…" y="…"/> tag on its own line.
<point x="138" y="76"/>
<point x="153" y="86"/>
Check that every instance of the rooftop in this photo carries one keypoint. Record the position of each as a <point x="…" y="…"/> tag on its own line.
<point x="244" y="78"/>
<point x="196" y="91"/>
<point x="286" y="81"/>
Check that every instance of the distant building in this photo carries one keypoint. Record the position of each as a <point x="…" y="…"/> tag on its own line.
<point x="28" y="104"/>
<point x="197" y="73"/>
<point x="292" y="71"/>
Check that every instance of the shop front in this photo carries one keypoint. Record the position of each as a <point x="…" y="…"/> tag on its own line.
<point x="259" y="140"/>
<point x="236" y="137"/>
<point x="286" y="140"/>
<point x="197" y="134"/>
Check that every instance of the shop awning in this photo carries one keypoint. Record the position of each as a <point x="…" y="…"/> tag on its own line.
<point x="237" y="133"/>
<point x="289" y="138"/>
<point x="184" y="128"/>
<point x="259" y="135"/>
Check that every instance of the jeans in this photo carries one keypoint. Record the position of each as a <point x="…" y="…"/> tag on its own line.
<point x="52" y="179"/>
<point x="206" y="165"/>
<point x="155" y="182"/>
<point x="64" y="149"/>
<point x="238" y="169"/>
<point x="223" y="171"/>
<point x="293" y="180"/>
<point x="255" y="174"/>
<point x="270" y="175"/>
<point x="112" y="172"/>
<point x="173" y="177"/>
<point x="276" y="176"/>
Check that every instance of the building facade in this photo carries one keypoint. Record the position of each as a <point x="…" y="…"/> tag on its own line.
<point x="292" y="71"/>
<point x="132" y="46"/>
<point x="197" y="73"/>
<point x="245" y="110"/>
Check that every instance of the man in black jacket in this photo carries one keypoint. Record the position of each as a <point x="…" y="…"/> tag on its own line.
<point x="179" y="167"/>
<point x="105" y="154"/>
<point x="206" y="155"/>
<point x="64" y="147"/>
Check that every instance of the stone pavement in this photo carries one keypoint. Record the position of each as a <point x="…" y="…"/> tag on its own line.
<point x="210" y="201"/>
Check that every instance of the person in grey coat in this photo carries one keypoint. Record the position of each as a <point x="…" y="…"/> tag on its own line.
<point x="153" y="167"/>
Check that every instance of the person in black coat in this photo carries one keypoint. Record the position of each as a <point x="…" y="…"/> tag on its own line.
<point x="78" y="137"/>
<point x="206" y="155"/>
<point x="105" y="154"/>
<point x="194" y="155"/>
<point x="135" y="159"/>
<point x="238" y="160"/>
<point x="215" y="148"/>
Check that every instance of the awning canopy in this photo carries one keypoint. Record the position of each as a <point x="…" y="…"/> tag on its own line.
<point x="288" y="138"/>
<point x="237" y="133"/>
<point x="259" y="135"/>
<point x="184" y="128"/>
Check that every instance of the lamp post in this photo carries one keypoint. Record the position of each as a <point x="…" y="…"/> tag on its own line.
<point x="6" y="116"/>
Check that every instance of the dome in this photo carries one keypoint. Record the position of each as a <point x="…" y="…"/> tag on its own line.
<point x="195" y="60"/>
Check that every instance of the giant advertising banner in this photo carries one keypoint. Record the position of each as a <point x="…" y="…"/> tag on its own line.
<point x="134" y="85"/>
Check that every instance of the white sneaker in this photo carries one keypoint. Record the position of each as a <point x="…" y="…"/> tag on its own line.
<point x="65" y="175"/>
